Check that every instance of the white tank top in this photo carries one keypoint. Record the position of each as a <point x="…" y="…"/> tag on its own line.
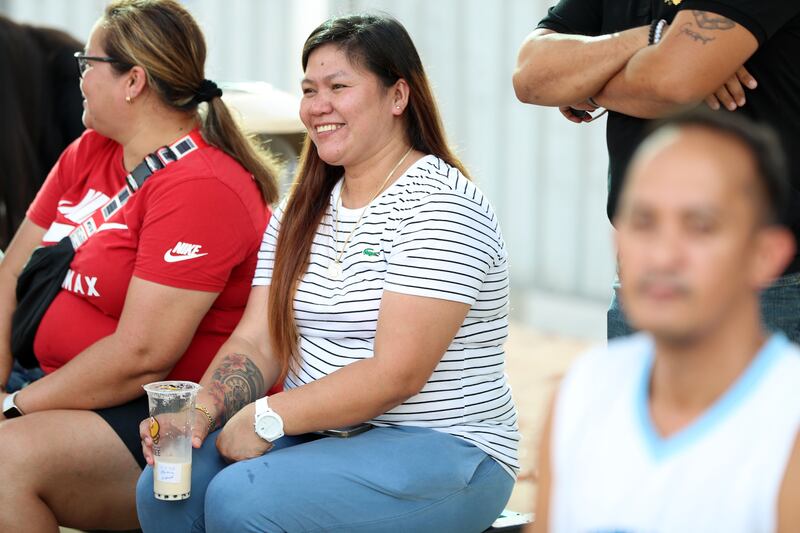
<point x="612" y="472"/>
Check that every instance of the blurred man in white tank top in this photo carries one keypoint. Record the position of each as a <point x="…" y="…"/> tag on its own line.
<point x="692" y="424"/>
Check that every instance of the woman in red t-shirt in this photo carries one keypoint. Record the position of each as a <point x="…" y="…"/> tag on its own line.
<point x="153" y="293"/>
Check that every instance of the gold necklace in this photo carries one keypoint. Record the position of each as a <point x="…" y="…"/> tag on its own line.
<point x="335" y="267"/>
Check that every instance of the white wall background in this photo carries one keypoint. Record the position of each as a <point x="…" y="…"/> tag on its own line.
<point x="546" y="177"/>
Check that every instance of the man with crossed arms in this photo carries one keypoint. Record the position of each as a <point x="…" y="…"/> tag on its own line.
<point x="644" y="59"/>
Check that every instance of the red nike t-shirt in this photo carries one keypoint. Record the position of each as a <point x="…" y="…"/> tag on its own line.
<point x="196" y="224"/>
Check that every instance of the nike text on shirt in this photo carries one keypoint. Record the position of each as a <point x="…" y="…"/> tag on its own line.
<point x="183" y="251"/>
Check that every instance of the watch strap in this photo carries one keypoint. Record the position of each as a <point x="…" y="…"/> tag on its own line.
<point x="262" y="406"/>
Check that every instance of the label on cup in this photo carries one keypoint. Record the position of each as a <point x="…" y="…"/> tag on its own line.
<point x="168" y="472"/>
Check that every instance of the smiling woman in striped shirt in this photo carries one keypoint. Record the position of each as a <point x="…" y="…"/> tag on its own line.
<point x="381" y="296"/>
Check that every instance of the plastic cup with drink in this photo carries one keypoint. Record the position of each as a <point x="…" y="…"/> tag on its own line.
<point x="171" y="406"/>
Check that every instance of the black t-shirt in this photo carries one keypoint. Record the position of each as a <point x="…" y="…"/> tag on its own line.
<point x="775" y="65"/>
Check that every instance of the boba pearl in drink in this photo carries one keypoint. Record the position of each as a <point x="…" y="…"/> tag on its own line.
<point x="171" y="406"/>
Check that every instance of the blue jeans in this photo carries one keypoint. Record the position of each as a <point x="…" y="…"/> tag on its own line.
<point x="20" y="377"/>
<point x="386" y="479"/>
<point x="780" y="309"/>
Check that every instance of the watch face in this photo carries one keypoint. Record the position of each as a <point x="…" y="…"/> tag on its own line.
<point x="9" y="409"/>
<point x="269" y="427"/>
<point x="11" y="412"/>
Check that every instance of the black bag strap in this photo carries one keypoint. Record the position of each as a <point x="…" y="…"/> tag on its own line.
<point x="151" y="164"/>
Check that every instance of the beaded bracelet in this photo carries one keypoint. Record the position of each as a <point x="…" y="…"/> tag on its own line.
<point x="656" y="31"/>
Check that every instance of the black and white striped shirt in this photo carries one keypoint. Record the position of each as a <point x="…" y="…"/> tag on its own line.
<point x="431" y="233"/>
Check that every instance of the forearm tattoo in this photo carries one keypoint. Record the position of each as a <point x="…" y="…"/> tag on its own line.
<point x="234" y="384"/>
<point x="705" y="20"/>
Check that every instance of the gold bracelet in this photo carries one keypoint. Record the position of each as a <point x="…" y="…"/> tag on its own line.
<point x="203" y="409"/>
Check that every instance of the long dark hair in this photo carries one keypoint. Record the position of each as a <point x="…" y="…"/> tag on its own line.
<point x="40" y="106"/>
<point x="381" y="45"/>
<point x="163" y="38"/>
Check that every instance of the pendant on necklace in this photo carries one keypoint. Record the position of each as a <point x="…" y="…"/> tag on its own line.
<point x="335" y="270"/>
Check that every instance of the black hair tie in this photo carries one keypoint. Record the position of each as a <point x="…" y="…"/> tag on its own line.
<point x="207" y="91"/>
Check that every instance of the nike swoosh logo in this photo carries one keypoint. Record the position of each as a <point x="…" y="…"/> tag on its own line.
<point x="169" y="258"/>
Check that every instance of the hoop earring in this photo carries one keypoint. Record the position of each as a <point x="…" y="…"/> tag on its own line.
<point x="129" y="99"/>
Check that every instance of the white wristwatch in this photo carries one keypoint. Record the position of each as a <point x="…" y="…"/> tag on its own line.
<point x="268" y="423"/>
<point x="10" y="409"/>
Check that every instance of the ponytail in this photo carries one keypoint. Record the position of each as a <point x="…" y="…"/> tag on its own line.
<point x="220" y="130"/>
<point x="165" y="40"/>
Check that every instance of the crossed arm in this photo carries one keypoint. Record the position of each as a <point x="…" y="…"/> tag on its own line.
<point x="700" y="55"/>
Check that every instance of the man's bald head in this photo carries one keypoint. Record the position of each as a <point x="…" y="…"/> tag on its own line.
<point x="750" y="153"/>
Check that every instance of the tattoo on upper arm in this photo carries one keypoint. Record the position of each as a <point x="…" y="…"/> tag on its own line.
<point x="686" y="29"/>
<point x="236" y="383"/>
<point x="705" y="20"/>
<point x="712" y="21"/>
